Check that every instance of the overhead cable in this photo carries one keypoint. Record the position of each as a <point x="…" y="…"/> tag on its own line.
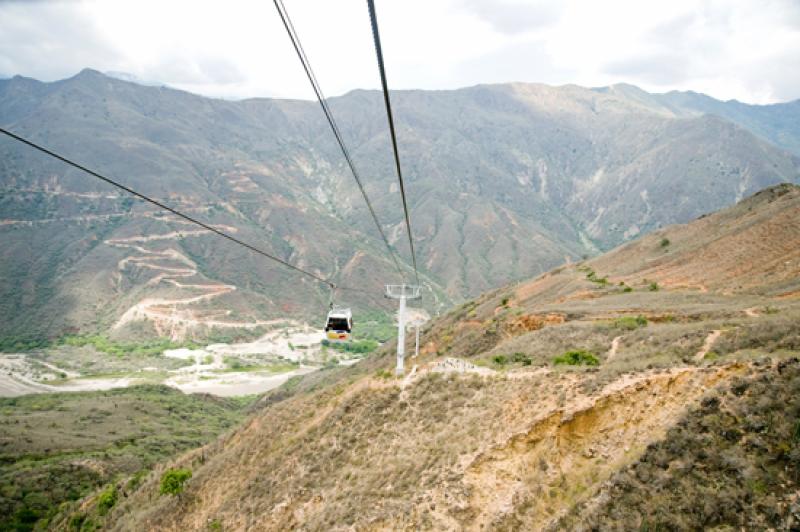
<point x="160" y="205"/>
<point x="298" y="48"/>
<point x="378" y="51"/>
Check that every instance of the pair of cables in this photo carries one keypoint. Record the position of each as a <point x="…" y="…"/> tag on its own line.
<point x="337" y="134"/>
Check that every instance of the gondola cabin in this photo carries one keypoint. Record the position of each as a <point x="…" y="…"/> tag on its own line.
<point x="339" y="325"/>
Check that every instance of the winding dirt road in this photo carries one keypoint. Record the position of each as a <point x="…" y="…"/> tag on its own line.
<point x="173" y="317"/>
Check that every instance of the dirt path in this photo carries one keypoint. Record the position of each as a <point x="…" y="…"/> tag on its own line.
<point x="407" y="380"/>
<point x="614" y="348"/>
<point x="171" y="317"/>
<point x="68" y="373"/>
<point x="710" y="339"/>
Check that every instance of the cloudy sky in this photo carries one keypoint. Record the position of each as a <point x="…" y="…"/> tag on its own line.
<point x="743" y="49"/>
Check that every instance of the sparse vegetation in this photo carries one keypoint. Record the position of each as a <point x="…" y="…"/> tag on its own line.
<point x="630" y="322"/>
<point x="355" y="346"/>
<point x="731" y="463"/>
<point x="57" y="448"/>
<point x="664" y="242"/>
<point x="103" y="344"/>
<point x="375" y="326"/>
<point x="516" y="358"/>
<point x="22" y="344"/>
<point x="592" y="276"/>
<point x="653" y="286"/>
<point x="577" y="358"/>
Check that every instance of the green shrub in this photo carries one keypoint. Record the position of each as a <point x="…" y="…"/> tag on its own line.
<point x="19" y="344"/>
<point x="356" y="346"/>
<point x="234" y="362"/>
<point x="504" y="302"/>
<point x="500" y="360"/>
<point x="383" y="374"/>
<point x="664" y="242"/>
<point x="521" y="358"/>
<point x="653" y="287"/>
<point x="107" y="500"/>
<point x="627" y="289"/>
<point x="173" y="480"/>
<point x="595" y="279"/>
<point x="630" y="322"/>
<point x="152" y="348"/>
<point x="577" y="358"/>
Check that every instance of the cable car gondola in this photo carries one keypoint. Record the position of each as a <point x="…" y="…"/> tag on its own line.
<point x="339" y="325"/>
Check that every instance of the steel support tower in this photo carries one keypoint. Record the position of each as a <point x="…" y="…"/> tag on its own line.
<point x="401" y="292"/>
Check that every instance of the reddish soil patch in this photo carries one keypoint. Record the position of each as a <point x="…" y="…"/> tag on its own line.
<point x="532" y="322"/>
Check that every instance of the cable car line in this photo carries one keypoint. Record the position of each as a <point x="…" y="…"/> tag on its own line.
<point x="298" y="47"/>
<point x="173" y="211"/>
<point x="379" y="53"/>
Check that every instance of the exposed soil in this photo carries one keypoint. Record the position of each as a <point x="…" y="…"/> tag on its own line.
<point x="707" y="344"/>
<point x="174" y="317"/>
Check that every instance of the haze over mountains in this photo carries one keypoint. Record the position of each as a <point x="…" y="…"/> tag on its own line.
<point x="504" y="182"/>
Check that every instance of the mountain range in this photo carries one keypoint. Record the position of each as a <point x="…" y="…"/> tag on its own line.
<point x="503" y="181"/>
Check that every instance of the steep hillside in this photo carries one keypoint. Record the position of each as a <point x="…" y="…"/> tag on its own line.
<point x="716" y="252"/>
<point x="504" y="181"/>
<point x="731" y="462"/>
<point x="527" y="404"/>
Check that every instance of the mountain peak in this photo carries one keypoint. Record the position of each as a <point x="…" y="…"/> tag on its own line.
<point x="89" y="73"/>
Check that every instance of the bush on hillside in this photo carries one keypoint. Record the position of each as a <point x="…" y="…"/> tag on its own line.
<point x="107" y="500"/>
<point x="172" y="482"/>
<point x="577" y="358"/>
<point x="592" y="276"/>
<point x="630" y="322"/>
<point x="356" y="346"/>
<point x="516" y="358"/>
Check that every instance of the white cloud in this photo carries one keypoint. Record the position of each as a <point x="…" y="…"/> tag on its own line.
<point x="744" y="49"/>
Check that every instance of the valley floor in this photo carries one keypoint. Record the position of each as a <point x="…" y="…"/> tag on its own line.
<point x="222" y="369"/>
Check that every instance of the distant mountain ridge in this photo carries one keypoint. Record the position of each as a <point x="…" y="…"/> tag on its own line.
<point x="504" y="182"/>
<point x="779" y="123"/>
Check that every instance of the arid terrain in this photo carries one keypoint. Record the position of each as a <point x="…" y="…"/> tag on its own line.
<point x="568" y="400"/>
